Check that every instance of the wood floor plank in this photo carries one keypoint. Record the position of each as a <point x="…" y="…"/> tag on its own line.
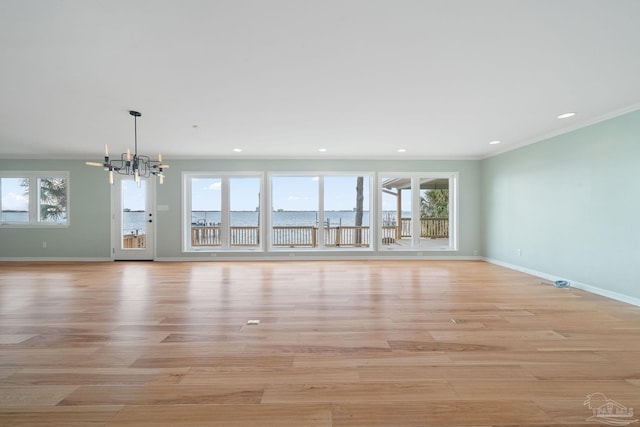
<point x="94" y="376"/>
<point x="526" y="389"/>
<point x="33" y="396"/>
<point x="435" y="413"/>
<point x="418" y="373"/>
<point x="171" y="394"/>
<point x="260" y="376"/>
<point x="358" y="392"/>
<point x="307" y="415"/>
<point x="339" y="343"/>
<point x="58" y="416"/>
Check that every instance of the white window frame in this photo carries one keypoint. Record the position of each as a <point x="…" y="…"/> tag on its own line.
<point x="187" y="203"/>
<point x="371" y="176"/>
<point x="34" y="202"/>
<point x="415" y="210"/>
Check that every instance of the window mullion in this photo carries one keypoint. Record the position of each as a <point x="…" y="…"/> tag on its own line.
<point x="320" y="224"/>
<point x="34" y="200"/>
<point x="188" y="211"/>
<point x="225" y="216"/>
<point x="415" y="212"/>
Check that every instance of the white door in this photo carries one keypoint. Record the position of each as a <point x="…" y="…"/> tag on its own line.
<point x="133" y="222"/>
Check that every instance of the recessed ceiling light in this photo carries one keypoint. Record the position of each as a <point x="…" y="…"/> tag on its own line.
<point x="322" y="150"/>
<point x="566" y="115"/>
<point x="401" y="150"/>
<point x="495" y="142"/>
<point x="237" y="150"/>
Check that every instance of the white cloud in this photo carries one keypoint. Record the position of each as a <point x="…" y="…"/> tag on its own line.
<point x="15" y="202"/>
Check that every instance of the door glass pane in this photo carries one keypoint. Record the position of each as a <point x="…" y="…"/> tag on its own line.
<point x="346" y="211"/>
<point x="15" y="200"/>
<point x="134" y="216"/>
<point x="396" y="211"/>
<point x="434" y="212"/>
<point x="244" y="215"/>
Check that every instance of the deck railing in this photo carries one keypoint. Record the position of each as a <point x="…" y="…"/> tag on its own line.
<point x="245" y="236"/>
<point x="295" y="236"/>
<point x="206" y="235"/>
<point x="433" y="228"/>
<point x="212" y="236"/>
<point x="389" y="234"/>
<point x="307" y="236"/>
<point x="134" y="241"/>
<point x="405" y="227"/>
<point x="289" y="236"/>
<point x="346" y="236"/>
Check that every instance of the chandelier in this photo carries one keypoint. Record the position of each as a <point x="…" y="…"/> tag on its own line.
<point x="138" y="166"/>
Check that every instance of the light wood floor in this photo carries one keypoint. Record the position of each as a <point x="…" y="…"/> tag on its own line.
<point x="377" y="343"/>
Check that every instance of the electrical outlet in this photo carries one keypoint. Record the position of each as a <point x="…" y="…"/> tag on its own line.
<point x="44" y="245"/>
<point x="519" y="251"/>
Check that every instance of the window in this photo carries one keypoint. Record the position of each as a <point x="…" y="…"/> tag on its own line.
<point x="325" y="211"/>
<point x="222" y="211"/>
<point x="332" y="211"/>
<point x="31" y="199"/>
<point x="418" y="211"/>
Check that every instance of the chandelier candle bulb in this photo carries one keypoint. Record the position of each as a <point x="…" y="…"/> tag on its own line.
<point x="159" y="157"/>
<point x="106" y="150"/>
<point x="111" y="177"/>
<point x="128" y="155"/>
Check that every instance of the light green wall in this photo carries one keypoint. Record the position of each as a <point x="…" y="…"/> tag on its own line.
<point x="571" y="204"/>
<point x="88" y="233"/>
<point x="89" y="212"/>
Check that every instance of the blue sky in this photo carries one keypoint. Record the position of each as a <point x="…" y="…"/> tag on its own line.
<point x="289" y="193"/>
<point x="133" y="196"/>
<point x="13" y="197"/>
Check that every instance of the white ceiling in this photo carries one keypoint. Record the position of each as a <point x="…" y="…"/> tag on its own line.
<point x="283" y="78"/>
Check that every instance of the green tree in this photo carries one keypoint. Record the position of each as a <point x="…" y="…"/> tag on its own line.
<point x="435" y="204"/>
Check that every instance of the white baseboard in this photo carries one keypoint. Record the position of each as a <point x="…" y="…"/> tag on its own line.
<point x="585" y="287"/>
<point x="227" y="257"/>
<point x="54" y="259"/>
<point x="334" y="257"/>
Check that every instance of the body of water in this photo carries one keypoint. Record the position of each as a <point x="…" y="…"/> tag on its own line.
<point x="23" y="217"/>
<point x="290" y="218"/>
<point x="135" y="222"/>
